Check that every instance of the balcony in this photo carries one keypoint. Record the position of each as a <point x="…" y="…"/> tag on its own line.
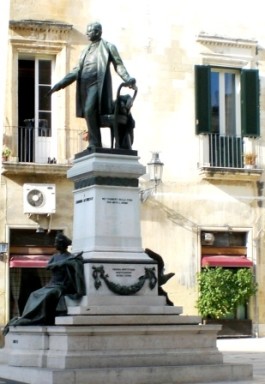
<point x="229" y="156"/>
<point x="37" y="150"/>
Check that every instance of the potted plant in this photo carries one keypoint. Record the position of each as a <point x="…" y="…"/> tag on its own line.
<point x="85" y="135"/>
<point x="250" y="160"/>
<point x="245" y="286"/>
<point x="6" y="152"/>
<point x="221" y="292"/>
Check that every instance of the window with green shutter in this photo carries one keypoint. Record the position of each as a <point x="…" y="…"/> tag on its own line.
<point x="227" y="110"/>
<point x="202" y="98"/>
<point x="250" y="103"/>
<point x="227" y="101"/>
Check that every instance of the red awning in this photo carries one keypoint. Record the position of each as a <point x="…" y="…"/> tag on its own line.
<point x="226" y="261"/>
<point x="29" y="261"/>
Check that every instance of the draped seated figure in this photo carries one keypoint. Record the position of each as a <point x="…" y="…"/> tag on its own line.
<point x="67" y="279"/>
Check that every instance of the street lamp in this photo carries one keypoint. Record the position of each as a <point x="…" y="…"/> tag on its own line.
<point x="154" y="171"/>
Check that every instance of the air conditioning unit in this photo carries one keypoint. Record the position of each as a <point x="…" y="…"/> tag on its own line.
<point x="39" y="198"/>
<point x="208" y="238"/>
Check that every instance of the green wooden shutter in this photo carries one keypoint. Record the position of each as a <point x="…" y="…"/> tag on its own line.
<point x="202" y="98"/>
<point x="250" y="102"/>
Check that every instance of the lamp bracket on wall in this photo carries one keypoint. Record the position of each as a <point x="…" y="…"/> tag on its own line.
<point x="155" y="171"/>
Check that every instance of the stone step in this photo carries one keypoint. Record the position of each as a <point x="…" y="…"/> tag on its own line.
<point x="131" y="375"/>
<point x="122" y="308"/>
<point x="126" y="336"/>
<point x="141" y="303"/>
<point x="82" y="346"/>
<point x="127" y="319"/>
<point x="114" y="359"/>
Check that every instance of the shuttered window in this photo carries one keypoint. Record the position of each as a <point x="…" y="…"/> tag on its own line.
<point x="250" y="103"/>
<point x="202" y="98"/>
<point x="243" y="111"/>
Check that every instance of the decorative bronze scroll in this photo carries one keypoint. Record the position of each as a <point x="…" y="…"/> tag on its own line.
<point x="99" y="274"/>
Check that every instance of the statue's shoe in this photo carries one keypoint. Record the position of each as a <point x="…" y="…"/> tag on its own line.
<point x="166" y="277"/>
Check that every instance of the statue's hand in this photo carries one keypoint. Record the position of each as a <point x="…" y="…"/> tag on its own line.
<point x="132" y="83"/>
<point x="55" y="88"/>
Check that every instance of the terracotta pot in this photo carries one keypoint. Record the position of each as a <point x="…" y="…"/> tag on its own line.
<point x="250" y="159"/>
<point x="85" y="136"/>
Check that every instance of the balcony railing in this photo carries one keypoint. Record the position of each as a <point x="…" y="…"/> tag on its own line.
<point x="219" y="151"/>
<point x="41" y="145"/>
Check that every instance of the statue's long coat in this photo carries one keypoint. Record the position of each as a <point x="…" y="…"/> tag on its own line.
<point x="108" y="54"/>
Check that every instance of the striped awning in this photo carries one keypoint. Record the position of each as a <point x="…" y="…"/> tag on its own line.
<point x="226" y="261"/>
<point x="29" y="261"/>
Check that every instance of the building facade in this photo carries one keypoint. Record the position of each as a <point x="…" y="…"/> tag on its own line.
<point x="200" y="104"/>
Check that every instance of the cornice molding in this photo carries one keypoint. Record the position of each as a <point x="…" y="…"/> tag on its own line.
<point x="217" y="40"/>
<point x="40" y="25"/>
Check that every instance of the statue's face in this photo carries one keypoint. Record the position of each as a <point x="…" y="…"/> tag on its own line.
<point x="60" y="243"/>
<point x="93" y="33"/>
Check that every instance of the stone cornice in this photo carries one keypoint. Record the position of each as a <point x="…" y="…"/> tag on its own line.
<point x="12" y="169"/>
<point x="40" y="25"/>
<point x="216" y="40"/>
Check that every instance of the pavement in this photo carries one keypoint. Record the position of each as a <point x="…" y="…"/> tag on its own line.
<point x="6" y="381"/>
<point x="245" y="351"/>
<point x="235" y="350"/>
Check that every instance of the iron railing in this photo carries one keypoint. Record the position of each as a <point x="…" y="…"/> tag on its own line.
<point x="41" y="145"/>
<point x="220" y="151"/>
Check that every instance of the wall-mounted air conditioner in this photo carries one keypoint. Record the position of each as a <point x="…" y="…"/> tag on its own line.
<point x="207" y="238"/>
<point x="39" y="198"/>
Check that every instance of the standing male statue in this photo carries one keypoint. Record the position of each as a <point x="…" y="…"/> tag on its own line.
<point x="94" y="85"/>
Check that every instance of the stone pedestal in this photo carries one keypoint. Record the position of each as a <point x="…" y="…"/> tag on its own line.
<point x="106" y="206"/>
<point x="125" y="352"/>
<point x="106" y="229"/>
<point x="122" y="331"/>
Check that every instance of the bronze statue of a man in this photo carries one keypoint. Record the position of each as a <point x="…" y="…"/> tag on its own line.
<point x="94" y="86"/>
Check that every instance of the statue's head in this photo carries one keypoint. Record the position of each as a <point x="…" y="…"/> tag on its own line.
<point x="62" y="242"/>
<point x="94" y="31"/>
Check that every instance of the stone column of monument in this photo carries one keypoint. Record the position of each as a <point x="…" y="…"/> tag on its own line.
<point x="120" y="276"/>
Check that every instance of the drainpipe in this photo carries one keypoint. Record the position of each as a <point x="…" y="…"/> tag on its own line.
<point x="5" y="11"/>
<point x="260" y="188"/>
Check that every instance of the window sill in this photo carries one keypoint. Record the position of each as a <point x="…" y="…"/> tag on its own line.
<point x="216" y="173"/>
<point x="10" y="168"/>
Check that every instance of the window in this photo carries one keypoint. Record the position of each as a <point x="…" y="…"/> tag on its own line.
<point x="227" y="109"/>
<point x="43" y="103"/>
<point x="34" y="108"/>
<point x="225" y="103"/>
<point x="219" y="93"/>
<point x="224" y="249"/>
<point x="38" y="49"/>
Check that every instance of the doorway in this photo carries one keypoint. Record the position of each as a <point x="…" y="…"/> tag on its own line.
<point x="29" y="254"/>
<point x="34" y="109"/>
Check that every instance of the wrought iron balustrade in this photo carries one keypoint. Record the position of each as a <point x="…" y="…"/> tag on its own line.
<point x="41" y="145"/>
<point x="220" y="151"/>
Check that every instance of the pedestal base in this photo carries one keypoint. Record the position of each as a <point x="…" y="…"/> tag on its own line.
<point x="118" y="350"/>
<point x="133" y="375"/>
<point x="121" y="332"/>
